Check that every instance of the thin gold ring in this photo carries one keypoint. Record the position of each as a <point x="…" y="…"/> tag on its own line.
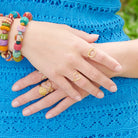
<point x="76" y="76"/>
<point x="92" y="50"/>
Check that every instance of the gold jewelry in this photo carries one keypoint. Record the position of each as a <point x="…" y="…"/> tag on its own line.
<point x="43" y="91"/>
<point x="92" y="53"/>
<point x="45" y="88"/>
<point x="76" y="76"/>
<point x="43" y="77"/>
<point x="48" y="85"/>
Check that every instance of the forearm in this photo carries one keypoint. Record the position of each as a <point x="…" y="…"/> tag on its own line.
<point x="126" y="53"/>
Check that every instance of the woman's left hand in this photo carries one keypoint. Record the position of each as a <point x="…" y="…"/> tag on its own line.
<point x="51" y="98"/>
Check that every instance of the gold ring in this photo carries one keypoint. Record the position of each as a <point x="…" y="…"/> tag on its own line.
<point x="43" y="91"/>
<point x="45" y="88"/>
<point x="43" y="77"/>
<point x="92" y="53"/>
<point x="76" y="76"/>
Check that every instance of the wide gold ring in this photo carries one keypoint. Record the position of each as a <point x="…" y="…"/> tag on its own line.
<point x="91" y="53"/>
<point x="45" y="88"/>
<point x="76" y="76"/>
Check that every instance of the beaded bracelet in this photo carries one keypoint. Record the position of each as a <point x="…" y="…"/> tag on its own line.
<point x="17" y="56"/>
<point x="6" y="25"/>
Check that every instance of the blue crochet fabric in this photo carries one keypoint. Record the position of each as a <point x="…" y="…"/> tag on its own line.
<point x="114" y="116"/>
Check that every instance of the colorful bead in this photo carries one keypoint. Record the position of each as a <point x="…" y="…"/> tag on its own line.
<point x="14" y="13"/>
<point x="18" y="59"/>
<point x="3" y="42"/>
<point x="1" y="14"/>
<point x="18" y="42"/>
<point x="18" y="37"/>
<point x="17" y="46"/>
<point x="28" y="15"/>
<point x="5" y="28"/>
<point x="6" y="55"/>
<point x="8" y="20"/>
<point x="6" y="24"/>
<point x="24" y="21"/>
<point x="4" y="36"/>
<point x="21" y="28"/>
<point x="4" y="31"/>
<point x="3" y="48"/>
<point x="11" y="16"/>
<point x="20" y="33"/>
<point x="16" y="54"/>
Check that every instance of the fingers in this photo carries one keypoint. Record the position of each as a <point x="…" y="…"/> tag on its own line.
<point x="65" y="85"/>
<point x="30" y="79"/>
<point x="62" y="106"/>
<point x="82" y="82"/>
<point x="95" y="75"/>
<point x="94" y="53"/>
<point x="90" y="38"/>
<point x="31" y="95"/>
<point x="45" y="102"/>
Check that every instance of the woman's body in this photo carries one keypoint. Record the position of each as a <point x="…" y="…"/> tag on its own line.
<point x="112" y="116"/>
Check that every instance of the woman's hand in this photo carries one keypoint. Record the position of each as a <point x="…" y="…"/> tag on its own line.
<point x="61" y="54"/>
<point x="53" y="97"/>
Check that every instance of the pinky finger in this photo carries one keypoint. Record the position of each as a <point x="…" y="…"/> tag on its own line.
<point x="59" y="108"/>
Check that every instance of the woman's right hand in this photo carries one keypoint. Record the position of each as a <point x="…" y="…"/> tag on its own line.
<point x="61" y="52"/>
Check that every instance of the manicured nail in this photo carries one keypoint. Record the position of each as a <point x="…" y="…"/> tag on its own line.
<point x="78" y="98"/>
<point x="26" y="112"/>
<point x="94" y="35"/>
<point x="118" y="68"/>
<point x="15" y="87"/>
<point x="48" y="116"/>
<point x="15" y="103"/>
<point x="113" y="89"/>
<point x="100" y="95"/>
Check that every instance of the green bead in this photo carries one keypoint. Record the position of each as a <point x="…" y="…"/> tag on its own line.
<point x="18" y="42"/>
<point x="17" y="59"/>
<point x="16" y="54"/>
<point x="6" y="24"/>
<point x="24" y="20"/>
<point x="4" y="36"/>
<point x="14" y="13"/>
<point x="20" y="33"/>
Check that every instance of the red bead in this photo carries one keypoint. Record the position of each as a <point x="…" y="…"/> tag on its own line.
<point x="28" y="15"/>
<point x="18" y="15"/>
<point x="4" y="32"/>
<point x="11" y="16"/>
<point x="17" y="47"/>
<point x="1" y="14"/>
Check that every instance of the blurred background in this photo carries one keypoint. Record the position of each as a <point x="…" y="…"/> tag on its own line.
<point x="129" y="12"/>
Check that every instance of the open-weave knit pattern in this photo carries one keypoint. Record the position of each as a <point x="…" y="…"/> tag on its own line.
<point x="114" y="116"/>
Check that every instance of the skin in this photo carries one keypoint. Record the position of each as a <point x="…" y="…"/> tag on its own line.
<point x="60" y="64"/>
<point x="124" y="52"/>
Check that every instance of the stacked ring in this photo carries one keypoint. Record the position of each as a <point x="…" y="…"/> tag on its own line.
<point x="19" y="37"/>
<point x="6" y="26"/>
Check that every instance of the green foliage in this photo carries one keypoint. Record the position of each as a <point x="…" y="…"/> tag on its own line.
<point x="129" y="12"/>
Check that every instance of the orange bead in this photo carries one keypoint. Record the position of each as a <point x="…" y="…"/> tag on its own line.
<point x="3" y="48"/>
<point x="5" y="28"/>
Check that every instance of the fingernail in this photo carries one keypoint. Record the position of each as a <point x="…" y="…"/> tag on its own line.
<point x="100" y="95"/>
<point x="49" y="116"/>
<point x="94" y="35"/>
<point x="78" y="98"/>
<point x="118" y="68"/>
<point x="26" y="112"/>
<point x="113" y="89"/>
<point x="15" y="103"/>
<point x="15" y="87"/>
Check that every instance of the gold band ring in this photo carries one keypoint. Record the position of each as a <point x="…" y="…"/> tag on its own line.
<point x="92" y="53"/>
<point x="76" y="76"/>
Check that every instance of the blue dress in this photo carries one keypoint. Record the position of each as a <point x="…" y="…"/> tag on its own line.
<point x="114" y="116"/>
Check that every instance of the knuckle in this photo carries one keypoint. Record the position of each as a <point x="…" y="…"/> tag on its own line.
<point x="94" y="75"/>
<point x="75" y="44"/>
<point x="71" y="58"/>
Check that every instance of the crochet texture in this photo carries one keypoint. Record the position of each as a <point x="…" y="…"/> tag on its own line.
<point x="114" y="116"/>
